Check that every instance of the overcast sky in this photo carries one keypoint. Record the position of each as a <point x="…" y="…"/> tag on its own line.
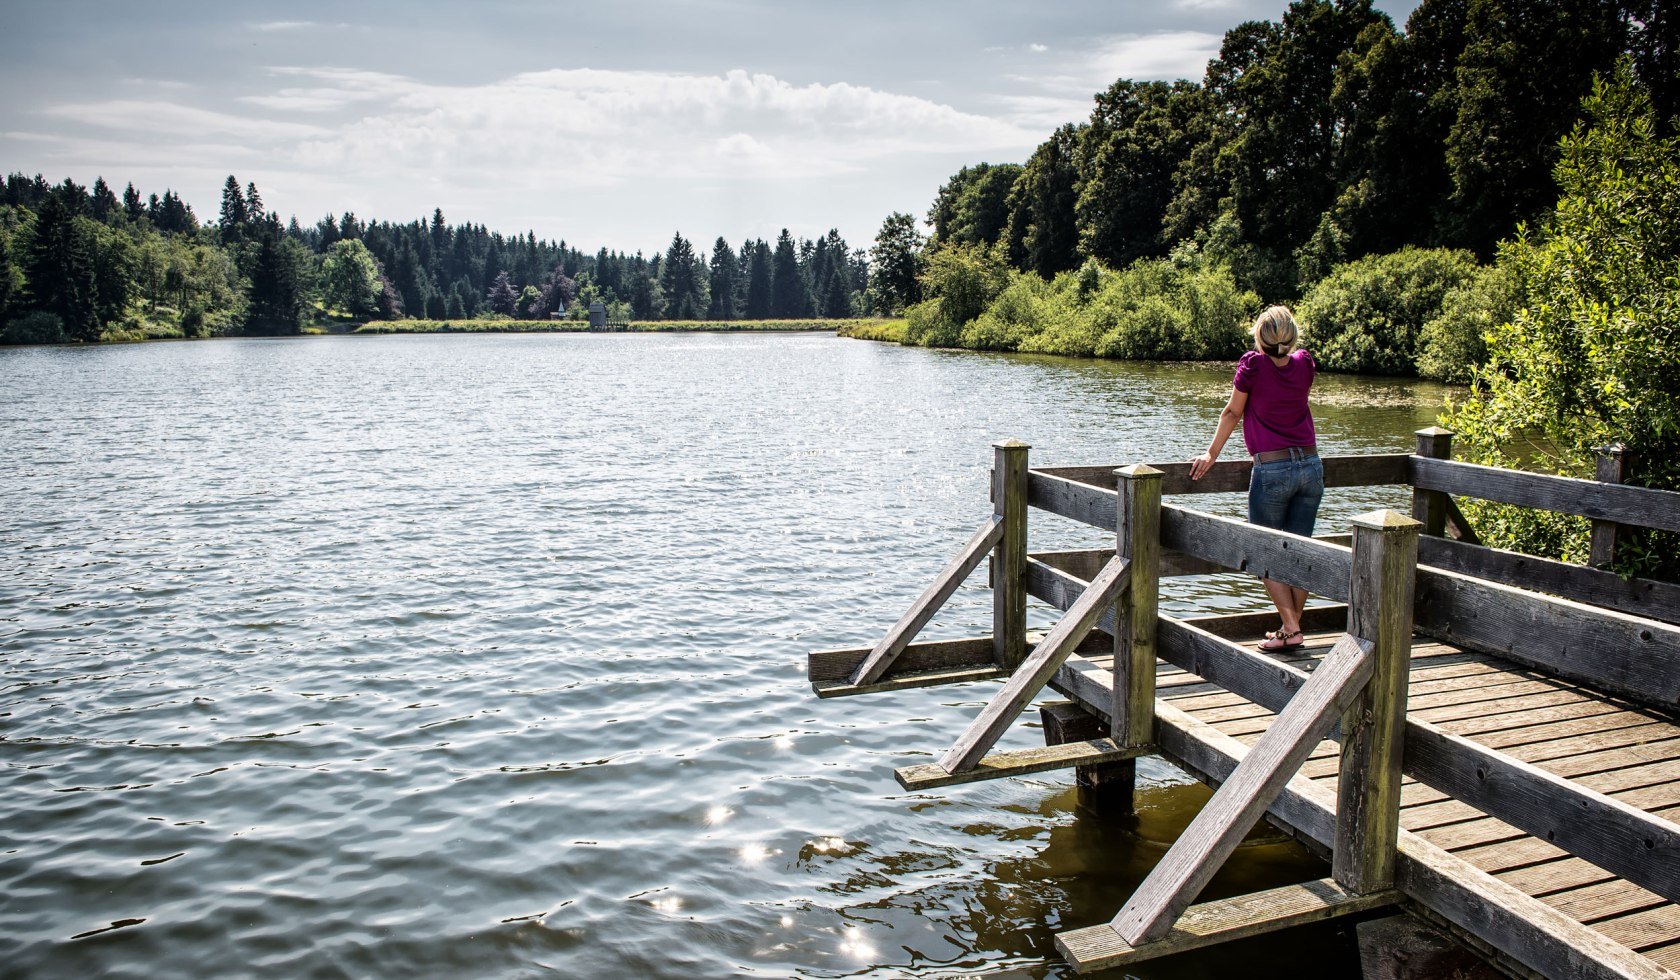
<point x="603" y="123"/>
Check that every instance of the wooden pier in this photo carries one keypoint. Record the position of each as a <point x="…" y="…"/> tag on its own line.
<point x="1487" y="740"/>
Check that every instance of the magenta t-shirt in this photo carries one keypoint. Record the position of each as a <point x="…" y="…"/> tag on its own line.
<point x="1276" y="416"/>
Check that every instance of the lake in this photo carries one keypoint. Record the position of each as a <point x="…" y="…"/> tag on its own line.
<point x="484" y="656"/>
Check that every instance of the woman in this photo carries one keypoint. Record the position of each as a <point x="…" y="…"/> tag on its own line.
<point x="1269" y="398"/>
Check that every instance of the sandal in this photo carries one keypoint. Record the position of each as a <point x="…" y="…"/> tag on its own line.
<point x="1279" y="640"/>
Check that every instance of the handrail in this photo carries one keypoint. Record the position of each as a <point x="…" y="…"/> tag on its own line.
<point x="1623" y="504"/>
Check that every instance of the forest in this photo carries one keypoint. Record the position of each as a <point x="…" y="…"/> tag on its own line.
<point x="1329" y="160"/>
<point x="80" y="264"/>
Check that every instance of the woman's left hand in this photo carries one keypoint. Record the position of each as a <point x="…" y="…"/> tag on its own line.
<point x="1199" y="466"/>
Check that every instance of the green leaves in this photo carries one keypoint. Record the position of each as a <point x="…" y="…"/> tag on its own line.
<point x="1591" y="354"/>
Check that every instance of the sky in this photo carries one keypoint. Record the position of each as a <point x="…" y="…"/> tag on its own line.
<point x="606" y="124"/>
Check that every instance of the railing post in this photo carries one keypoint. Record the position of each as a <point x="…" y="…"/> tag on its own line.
<point x="1137" y="537"/>
<point x="1380" y="611"/>
<point x="1430" y="506"/>
<point x="1613" y="464"/>
<point x="1009" y="558"/>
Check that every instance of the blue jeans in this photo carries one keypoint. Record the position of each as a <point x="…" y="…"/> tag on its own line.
<point x="1285" y="494"/>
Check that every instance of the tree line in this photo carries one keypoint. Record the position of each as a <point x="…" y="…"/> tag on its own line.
<point x="1326" y="138"/>
<point x="86" y="264"/>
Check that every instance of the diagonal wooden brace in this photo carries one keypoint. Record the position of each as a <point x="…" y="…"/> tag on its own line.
<point x="923" y="608"/>
<point x="1037" y="669"/>
<point x="1219" y="827"/>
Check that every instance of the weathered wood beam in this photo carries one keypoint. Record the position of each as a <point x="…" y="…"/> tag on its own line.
<point x="1628" y="655"/>
<point x="1220" y="825"/>
<point x="1316" y="619"/>
<point x="1036" y="670"/>
<point x="1072" y="499"/>
<point x="1617" y="503"/>
<point x="1429" y="507"/>
<point x="923" y="609"/>
<point x="998" y="765"/>
<point x="1100" y="947"/>
<point x="1642" y="597"/>
<point x="927" y="664"/>
<point x="1232" y="476"/>
<point x="1009" y="598"/>
<point x="1458" y="526"/>
<point x="1253" y="675"/>
<point x="1612" y="467"/>
<point x="1379" y="612"/>
<point x="831" y="667"/>
<point x="1319" y="567"/>
<point x="1638" y="846"/>
<point x="1061" y="589"/>
<point x="1533" y="934"/>
<point x="1138" y="542"/>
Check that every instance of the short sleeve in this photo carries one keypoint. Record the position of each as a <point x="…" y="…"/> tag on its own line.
<point x="1246" y="368"/>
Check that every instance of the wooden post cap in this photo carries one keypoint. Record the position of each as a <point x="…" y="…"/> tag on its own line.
<point x="1434" y="430"/>
<point x="1139" y="471"/>
<point x="1385" y="520"/>
<point x="1011" y="444"/>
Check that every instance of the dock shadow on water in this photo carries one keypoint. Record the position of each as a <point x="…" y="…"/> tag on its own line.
<point x="1074" y="861"/>
<point x="484" y="656"/>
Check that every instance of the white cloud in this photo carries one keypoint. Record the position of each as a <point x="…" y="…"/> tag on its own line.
<point x="157" y="118"/>
<point x="603" y="127"/>
<point x="1166" y="55"/>
<point x="1037" y="48"/>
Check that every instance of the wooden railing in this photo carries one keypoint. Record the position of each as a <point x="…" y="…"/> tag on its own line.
<point x="1397" y="574"/>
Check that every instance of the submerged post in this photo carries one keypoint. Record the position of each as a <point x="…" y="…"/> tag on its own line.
<point x="1137" y="536"/>
<point x="1009" y="558"/>
<point x="1373" y="729"/>
<point x="1613" y="463"/>
<point x="1430" y="506"/>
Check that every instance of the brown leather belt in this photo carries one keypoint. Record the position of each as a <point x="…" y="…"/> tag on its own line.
<point x="1297" y="452"/>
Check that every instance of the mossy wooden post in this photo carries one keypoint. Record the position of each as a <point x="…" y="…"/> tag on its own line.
<point x="1430" y="506"/>
<point x="1613" y="464"/>
<point x="1137" y="537"/>
<point x="1009" y="558"/>
<point x="1381" y="592"/>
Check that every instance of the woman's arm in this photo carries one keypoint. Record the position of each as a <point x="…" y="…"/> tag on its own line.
<point x="1228" y="420"/>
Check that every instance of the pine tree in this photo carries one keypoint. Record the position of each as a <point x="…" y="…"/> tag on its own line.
<point x="683" y="291"/>
<point x="234" y="213"/>
<point x="787" y="287"/>
<point x="58" y="265"/>
<point x="253" y="203"/>
<point x="759" y="280"/>
<point x="502" y="296"/>
<point x="725" y="274"/>
<point x="276" y="292"/>
<point x="105" y="203"/>
<point x="132" y="205"/>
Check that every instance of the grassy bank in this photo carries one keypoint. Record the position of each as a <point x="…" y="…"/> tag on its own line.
<point x="580" y="326"/>
<point x="891" y="331"/>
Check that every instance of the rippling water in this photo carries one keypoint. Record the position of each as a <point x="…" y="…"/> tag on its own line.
<point x="484" y="656"/>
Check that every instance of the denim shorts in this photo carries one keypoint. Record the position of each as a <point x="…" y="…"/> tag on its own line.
<point x="1285" y="494"/>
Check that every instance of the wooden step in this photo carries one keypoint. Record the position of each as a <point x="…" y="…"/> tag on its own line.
<point x="997" y="765"/>
<point x="1100" y="947"/>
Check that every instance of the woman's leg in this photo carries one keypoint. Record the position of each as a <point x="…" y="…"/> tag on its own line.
<point x="1271" y="489"/>
<point x="1300" y="516"/>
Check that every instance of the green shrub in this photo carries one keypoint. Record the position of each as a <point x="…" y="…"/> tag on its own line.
<point x="1166" y="310"/>
<point x="1454" y="344"/>
<point x="39" y="327"/>
<point x="1593" y="354"/>
<point x="961" y="281"/>
<point x="1367" y="315"/>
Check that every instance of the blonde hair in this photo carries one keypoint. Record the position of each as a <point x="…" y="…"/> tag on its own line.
<point x="1275" y="332"/>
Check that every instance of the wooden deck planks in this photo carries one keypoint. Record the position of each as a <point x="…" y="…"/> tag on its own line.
<point x="1600" y="741"/>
